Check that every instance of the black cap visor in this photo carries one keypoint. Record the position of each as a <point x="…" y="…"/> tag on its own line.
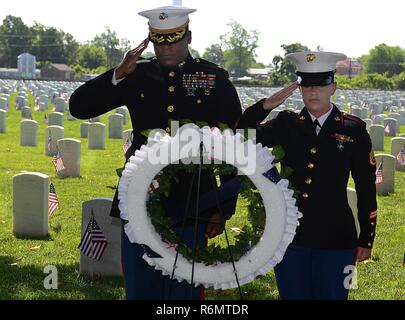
<point x="319" y="79"/>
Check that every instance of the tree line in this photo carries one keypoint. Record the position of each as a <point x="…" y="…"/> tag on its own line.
<point x="383" y="66"/>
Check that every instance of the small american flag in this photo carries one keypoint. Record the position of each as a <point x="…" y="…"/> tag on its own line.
<point x="53" y="202"/>
<point x="126" y="146"/>
<point x="401" y="157"/>
<point x="58" y="162"/>
<point x="379" y="174"/>
<point x="93" y="243"/>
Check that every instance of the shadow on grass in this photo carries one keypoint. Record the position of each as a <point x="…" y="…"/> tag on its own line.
<point x="48" y="237"/>
<point x="26" y="282"/>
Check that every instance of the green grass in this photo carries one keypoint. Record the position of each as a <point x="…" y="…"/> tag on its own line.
<point x="22" y="261"/>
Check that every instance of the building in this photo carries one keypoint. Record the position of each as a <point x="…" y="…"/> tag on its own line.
<point x="348" y="67"/>
<point x="26" y="65"/>
<point x="259" y="74"/>
<point x="56" y="71"/>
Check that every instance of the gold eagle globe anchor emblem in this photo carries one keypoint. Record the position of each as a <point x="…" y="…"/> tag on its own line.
<point x="163" y="16"/>
<point x="311" y="57"/>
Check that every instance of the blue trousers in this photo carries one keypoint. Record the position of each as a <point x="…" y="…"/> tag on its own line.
<point x="143" y="282"/>
<point x="313" y="274"/>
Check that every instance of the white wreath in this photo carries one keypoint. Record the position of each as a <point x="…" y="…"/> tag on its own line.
<point x="281" y="213"/>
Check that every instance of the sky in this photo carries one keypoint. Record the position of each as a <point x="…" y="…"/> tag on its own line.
<point x="352" y="27"/>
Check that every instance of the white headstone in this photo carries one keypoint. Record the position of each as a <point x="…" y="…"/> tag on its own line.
<point x="390" y="127"/>
<point x="84" y="129"/>
<point x="364" y="113"/>
<point x="115" y="126"/>
<point x="398" y="144"/>
<point x="356" y="111"/>
<point x="127" y="136"/>
<point x="20" y="102"/>
<point x="26" y="113"/>
<point x="52" y="135"/>
<point x="397" y="117"/>
<point x="377" y="137"/>
<point x="60" y="105"/>
<point x="3" y="104"/>
<point x="388" y="166"/>
<point x="28" y="133"/>
<point x="3" y="118"/>
<point x="352" y="199"/>
<point x="124" y="112"/>
<point x="43" y="102"/>
<point x="368" y="124"/>
<point x="379" y="119"/>
<point x="70" y="152"/>
<point x="30" y="204"/>
<point x="97" y="136"/>
<point x="55" y="119"/>
<point x="110" y="262"/>
<point x="401" y="117"/>
<point x="43" y="106"/>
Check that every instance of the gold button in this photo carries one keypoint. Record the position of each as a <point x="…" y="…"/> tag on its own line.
<point x="172" y="74"/>
<point x="170" y="109"/>
<point x="372" y="234"/>
<point x="142" y="95"/>
<point x="369" y="244"/>
<point x="373" y="224"/>
<point x="199" y="101"/>
<point x="313" y="151"/>
<point x="171" y="89"/>
<point x="308" y="181"/>
<point x="311" y="165"/>
<point x="305" y="195"/>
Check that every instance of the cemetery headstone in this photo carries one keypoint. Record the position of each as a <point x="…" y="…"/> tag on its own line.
<point x="29" y="133"/>
<point x="115" y="126"/>
<point x="70" y="151"/>
<point x="110" y="262"/>
<point x="30" y="204"/>
<point x="97" y="136"/>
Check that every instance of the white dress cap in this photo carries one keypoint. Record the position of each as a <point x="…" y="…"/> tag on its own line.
<point x="167" y="18"/>
<point x="315" y="62"/>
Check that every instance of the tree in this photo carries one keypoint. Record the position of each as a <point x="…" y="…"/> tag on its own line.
<point x="92" y="56"/>
<point x="385" y="59"/>
<point x="194" y="52"/>
<point x="15" y="38"/>
<point x="214" y="54"/>
<point x="113" y="47"/>
<point x="47" y="44"/>
<point x="240" y="46"/>
<point x="284" y="70"/>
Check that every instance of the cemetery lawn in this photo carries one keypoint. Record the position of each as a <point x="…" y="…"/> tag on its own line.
<point x="22" y="261"/>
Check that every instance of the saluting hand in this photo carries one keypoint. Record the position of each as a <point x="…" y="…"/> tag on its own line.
<point x="128" y="64"/>
<point x="279" y="97"/>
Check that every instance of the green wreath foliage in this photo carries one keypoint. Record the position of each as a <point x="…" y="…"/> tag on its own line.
<point x="249" y="235"/>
